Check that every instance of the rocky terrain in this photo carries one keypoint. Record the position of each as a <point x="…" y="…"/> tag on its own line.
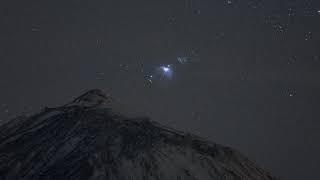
<point x="87" y="140"/>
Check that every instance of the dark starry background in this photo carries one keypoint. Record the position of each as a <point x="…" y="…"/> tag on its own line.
<point x="244" y="73"/>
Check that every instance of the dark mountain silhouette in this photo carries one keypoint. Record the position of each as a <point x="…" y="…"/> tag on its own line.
<point x="86" y="139"/>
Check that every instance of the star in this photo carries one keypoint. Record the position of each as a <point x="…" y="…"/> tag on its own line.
<point x="292" y="92"/>
<point x="165" y="69"/>
<point x="308" y="36"/>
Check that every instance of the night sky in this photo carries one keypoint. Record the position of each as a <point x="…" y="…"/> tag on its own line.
<point x="242" y="73"/>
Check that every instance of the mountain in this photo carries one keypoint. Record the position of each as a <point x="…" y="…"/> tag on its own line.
<point x="87" y="140"/>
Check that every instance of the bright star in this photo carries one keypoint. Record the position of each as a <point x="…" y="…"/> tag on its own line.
<point x="165" y="69"/>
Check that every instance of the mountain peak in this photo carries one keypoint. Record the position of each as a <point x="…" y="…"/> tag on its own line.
<point x="90" y="143"/>
<point x="92" y="98"/>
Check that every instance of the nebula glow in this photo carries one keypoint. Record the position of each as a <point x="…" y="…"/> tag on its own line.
<point x="166" y="71"/>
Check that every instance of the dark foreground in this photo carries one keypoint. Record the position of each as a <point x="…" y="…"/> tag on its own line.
<point x="85" y="139"/>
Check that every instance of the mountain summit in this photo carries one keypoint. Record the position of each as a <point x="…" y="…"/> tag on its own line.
<point x="93" y="98"/>
<point x="86" y="140"/>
